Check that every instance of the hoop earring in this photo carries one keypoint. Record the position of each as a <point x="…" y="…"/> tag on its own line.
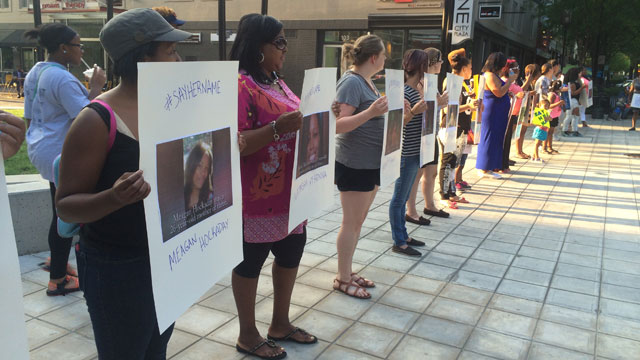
<point x="261" y="58"/>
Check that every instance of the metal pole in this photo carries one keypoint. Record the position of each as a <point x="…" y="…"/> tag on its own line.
<point x="109" y="10"/>
<point x="222" y="30"/>
<point x="265" y="6"/>
<point x="447" y="20"/>
<point x="107" y="64"/>
<point x="37" y="21"/>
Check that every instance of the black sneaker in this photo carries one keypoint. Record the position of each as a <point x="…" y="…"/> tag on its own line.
<point x="566" y="133"/>
<point x="632" y="129"/>
<point x="406" y="251"/>
<point x="577" y="134"/>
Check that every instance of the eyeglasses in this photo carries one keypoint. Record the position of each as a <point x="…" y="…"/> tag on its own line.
<point x="81" y="46"/>
<point x="280" y="43"/>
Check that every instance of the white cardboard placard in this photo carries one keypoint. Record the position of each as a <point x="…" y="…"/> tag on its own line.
<point x="185" y="109"/>
<point x="429" y="119"/>
<point x="13" y="332"/>
<point x="314" y="169"/>
<point x="635" y="101"/>
<point x="478" y="113"/>
<point x="393" y="125"/>
<point x="449" y="132"/>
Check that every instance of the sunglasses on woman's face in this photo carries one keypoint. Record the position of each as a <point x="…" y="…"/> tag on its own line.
<point x="81" y="46"/>
<point x="280" y="43"/>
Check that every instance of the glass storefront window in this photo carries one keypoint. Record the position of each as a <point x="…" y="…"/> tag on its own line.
<point x="424" y="38"/>
<point x="394" y="44"/>
<point x="28" y="58"/>
<point x="6" y="55"/>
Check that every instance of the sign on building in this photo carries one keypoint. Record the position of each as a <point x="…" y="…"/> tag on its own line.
<point x="490" y="12"/>
<point x="462" y="21"/>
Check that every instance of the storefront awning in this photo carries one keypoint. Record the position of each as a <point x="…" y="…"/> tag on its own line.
<point x="14" y="38"/>
<point x="415" y="21"/>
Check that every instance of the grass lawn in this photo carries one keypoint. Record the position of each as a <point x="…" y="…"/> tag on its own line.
<point x="19" y="164"/>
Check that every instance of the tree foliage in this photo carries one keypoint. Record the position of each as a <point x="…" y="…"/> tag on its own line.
<point x="606" y="26"/>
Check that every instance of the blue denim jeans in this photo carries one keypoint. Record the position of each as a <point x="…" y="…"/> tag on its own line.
<point x="117" y="288"/>
<point x="409" y="166"/>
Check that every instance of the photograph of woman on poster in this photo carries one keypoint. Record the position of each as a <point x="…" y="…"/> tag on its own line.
<point x="314" y="143"/>
<point x="198" y="189"/>
<point x="394" y="131"/>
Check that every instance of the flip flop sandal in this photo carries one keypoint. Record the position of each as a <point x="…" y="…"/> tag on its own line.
<point x="289" y="337"/>
<point x="46" y="266"/>
<point x="61" y="289"/>
<point x="351" y="285"/>
<point x="440" y="213"/>
<point x="365" y="283"/>
<point x="270" y="344"/>
<point x="421" y="220"/>
<point x="450" y="204"/>
<point x="462" y="201"/>
<point x="524" y="156"/>
<point x="553" y="152"/>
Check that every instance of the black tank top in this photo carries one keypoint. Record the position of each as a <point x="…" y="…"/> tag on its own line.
<point x="123" y="229"/>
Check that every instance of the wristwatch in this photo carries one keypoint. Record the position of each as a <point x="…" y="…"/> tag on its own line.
<point x="276" y="137"/>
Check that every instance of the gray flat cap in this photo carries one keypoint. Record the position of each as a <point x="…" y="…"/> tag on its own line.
<point x="137" y="27"/>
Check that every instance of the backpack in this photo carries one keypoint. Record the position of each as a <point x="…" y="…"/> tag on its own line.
<point x="65" y="229"/>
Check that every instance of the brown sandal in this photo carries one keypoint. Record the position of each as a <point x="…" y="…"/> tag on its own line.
<point x="344" y="287"/>
<point x="365" y="283"/>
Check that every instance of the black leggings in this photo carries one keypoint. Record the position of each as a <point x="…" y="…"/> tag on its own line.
<point x="507" y="141"/>
<point x="287" y="252"/>
<point x="58" y="245"/>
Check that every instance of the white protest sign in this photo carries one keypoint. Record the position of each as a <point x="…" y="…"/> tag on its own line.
<point x="635" y="101"/>
<point x="393" y="125"/>
<point x="479" y="81"/>
<point x="188" y="125"/>
<point x="449" y="132"/>
<point x="462" y="26"/>
<point x="13" y="332"/>
<point x="429" y="123"/>
<point x="314" y="169"/>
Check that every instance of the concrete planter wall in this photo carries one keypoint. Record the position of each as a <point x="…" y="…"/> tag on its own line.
<point x="31" y="212"/>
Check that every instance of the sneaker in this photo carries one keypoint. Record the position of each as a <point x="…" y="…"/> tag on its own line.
<point x="406" y="251"/>
<point x="577" y="134"/>
<point x="632" y="129"/>
<point x="465" y="185"/>
<point x="489" y="174"/>
<point x="538" y="161"/>
<point x="459" y="187"/>
<point x="512" y="162"/>
<point x="566" y="133"/>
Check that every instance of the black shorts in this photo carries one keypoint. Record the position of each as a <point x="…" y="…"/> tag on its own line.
<point x="435" y="156"/>
<point x="287" y="252"/>
<point x="554" y="122"/>
<point x="350" y="179"/>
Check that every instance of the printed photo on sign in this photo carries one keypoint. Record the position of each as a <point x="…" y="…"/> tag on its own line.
<point x="313" y="149"/>
<point x="429" y="116"/>
<point x="394" y="131"/>
<point x="452" y="115"/>
<point x="194" y="180"/>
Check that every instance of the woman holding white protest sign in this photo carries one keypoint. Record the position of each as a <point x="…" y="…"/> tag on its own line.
<point x="360" y="127"/>
<point x="268" y="118"/>
<point x="102" y="187"/>
<point x="429" y="171"/>
<point x="414" y="63"/>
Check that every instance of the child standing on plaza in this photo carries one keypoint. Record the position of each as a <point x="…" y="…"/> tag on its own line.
<point x="556" y="109"/>
<point x="541" y="120"/>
